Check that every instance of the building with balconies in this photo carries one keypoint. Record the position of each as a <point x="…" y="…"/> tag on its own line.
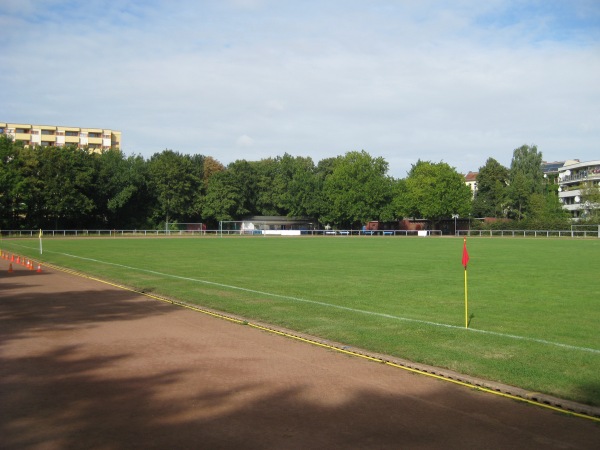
<point x="574" y="178"/>
<point x="95" y="139"/>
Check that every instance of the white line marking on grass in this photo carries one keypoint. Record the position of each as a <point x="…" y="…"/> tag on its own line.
<point x="345" y="308"/>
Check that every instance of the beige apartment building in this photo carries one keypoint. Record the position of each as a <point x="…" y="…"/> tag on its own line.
<point x="96" y="139"/>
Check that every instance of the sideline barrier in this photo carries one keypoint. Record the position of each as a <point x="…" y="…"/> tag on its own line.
<point x="47" y="234"/>
<point x="531" y="233"/>
<point x="342" y="232"/>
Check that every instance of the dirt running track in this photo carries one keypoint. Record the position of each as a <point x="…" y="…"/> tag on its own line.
<point x="85" y="365"/>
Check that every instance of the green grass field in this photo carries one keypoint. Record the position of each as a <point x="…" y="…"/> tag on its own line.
<point x="534" y="304"/>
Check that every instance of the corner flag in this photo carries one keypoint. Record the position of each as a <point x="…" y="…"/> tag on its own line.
<point x="40" y="236"/>
<point x="465" y="261"/>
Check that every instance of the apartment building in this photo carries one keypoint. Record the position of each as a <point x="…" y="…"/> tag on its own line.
<point x="573" y="178"/>
<point x="96" y="139"/>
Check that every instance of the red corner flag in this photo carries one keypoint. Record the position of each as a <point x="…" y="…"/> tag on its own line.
<point x="465" y="257"/>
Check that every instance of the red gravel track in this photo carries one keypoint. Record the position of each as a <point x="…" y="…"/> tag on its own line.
<point x="87" y="365"/>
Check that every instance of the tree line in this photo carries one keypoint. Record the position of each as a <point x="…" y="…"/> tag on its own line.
<point x="71" y="188"/>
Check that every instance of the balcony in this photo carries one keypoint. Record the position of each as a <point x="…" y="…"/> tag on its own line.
<point x="584" y="175"/>
<point x="569" y="193"/>
<point x="22" y="136"/>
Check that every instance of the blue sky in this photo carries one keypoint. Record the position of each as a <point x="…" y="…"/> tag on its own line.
<point x="453" y="81"/>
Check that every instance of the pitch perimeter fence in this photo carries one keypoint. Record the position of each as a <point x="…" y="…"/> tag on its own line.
<point x="531" y="233"/>
<point x="221" y="232"/>
<point x="216" y="232"/>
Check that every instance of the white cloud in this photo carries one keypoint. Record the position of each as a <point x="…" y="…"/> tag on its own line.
<point x="244" y="141"/>
<point x="458" y="82"/>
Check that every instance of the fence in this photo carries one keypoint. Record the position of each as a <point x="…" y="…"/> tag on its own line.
<point x="100" y="233"/>
<point x="216" y="232"/>
<point x="531" y="233"/>
<point x="332" y="232"/>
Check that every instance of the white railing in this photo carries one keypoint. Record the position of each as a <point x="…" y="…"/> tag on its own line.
<point x="348" y="232"/>
<point x="100" y="233"/>
<point x="220" y="232"/>
<point x="342" y="232"/>
<point x="531" y="233"/>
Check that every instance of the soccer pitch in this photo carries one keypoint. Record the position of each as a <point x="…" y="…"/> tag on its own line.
<point x="534" y="304"/>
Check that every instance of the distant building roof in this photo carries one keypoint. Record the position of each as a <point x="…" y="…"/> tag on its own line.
<point x="552" y="167"/>
<point x="471" y="176"/>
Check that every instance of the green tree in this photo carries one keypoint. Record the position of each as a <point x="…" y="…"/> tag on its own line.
<point x="28" y="199"/>
<point x="60" y="180"/>
<point x="590" y="199"/>
<point x="303" y="192"/>
<point x="546" y="213"/>
<point x="175" y="185"/>
<point x="232" y="193"/>
<point x="396" y="207"/>
<point x="121" y="191"/>
<point x="525" y="178"/>
<point x="357" y="190"/>
<point x="435" y="191"/>
<point x="492" y="190"/>
<point x="287" y="185"/>
<point x="268" y="189"/>
<point x="210" y="166"/>
<point x="194" y="213"/>
<point x="12" y="183"/>
<point x="225" y="196"/>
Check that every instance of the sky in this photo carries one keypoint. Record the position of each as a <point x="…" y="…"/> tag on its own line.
<point x="442" y="81"/>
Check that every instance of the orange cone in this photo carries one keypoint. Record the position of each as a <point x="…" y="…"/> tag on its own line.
<point x="39" y="269"/>
<point x="10" y="268"/>
<point x="12" y="258"/>
<point x="18" y="260"/>
<point x="30" y="265"/>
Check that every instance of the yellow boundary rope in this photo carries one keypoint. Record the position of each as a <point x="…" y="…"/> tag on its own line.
<point x="331" y="347"/>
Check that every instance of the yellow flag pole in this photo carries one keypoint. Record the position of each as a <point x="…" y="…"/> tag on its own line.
<point x="466" y="302"/>
<point x="465" y="262"/>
